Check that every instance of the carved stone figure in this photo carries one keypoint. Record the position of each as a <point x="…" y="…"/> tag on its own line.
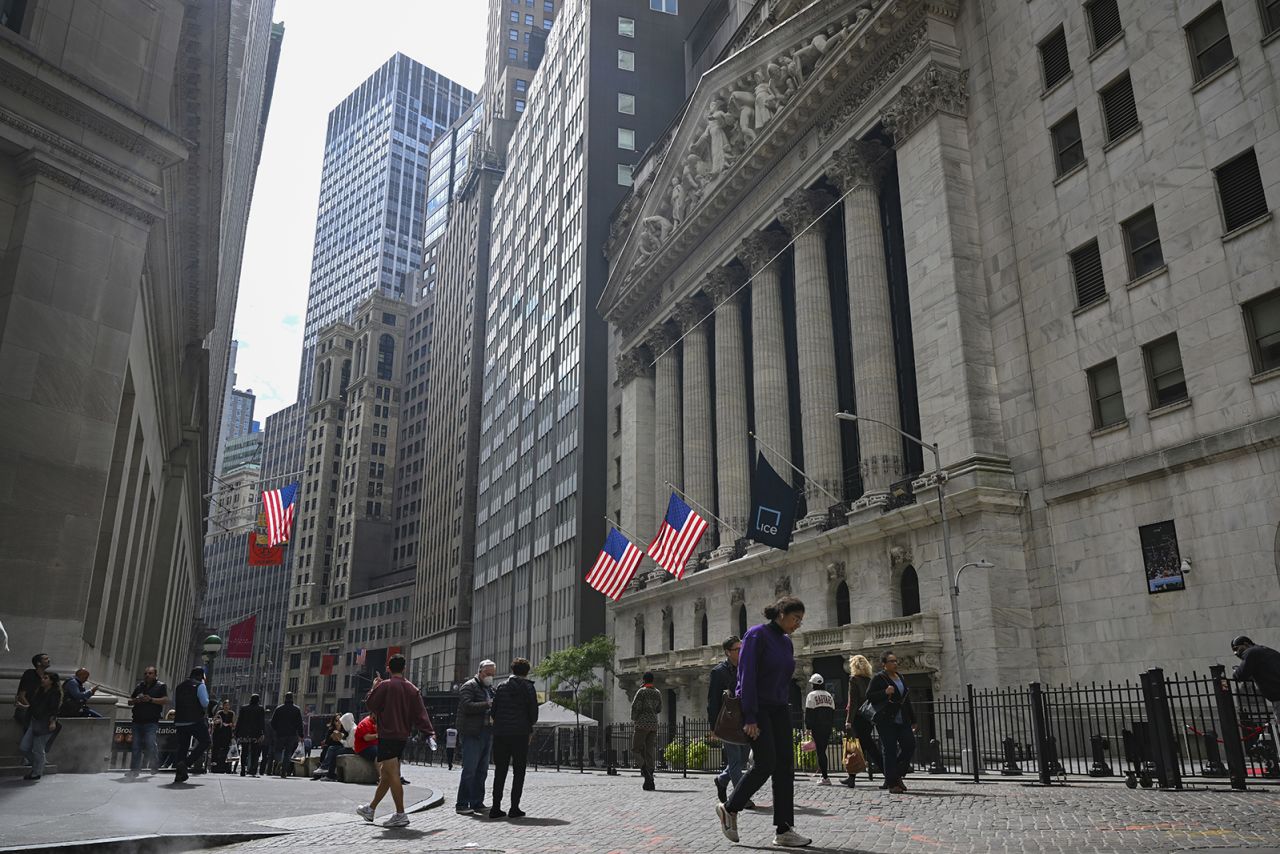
<point x="766" y="100"/>
<point x="717" y="136"/>
<point x="677" y="201"/>
<point x="654" y="231"/>
<point x="744" y="102"/>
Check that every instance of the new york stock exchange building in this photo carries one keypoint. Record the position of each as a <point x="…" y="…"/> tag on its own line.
<point x="1036" y="234"/>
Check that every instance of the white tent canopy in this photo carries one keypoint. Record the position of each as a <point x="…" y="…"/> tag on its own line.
<point x="556" y="715"/>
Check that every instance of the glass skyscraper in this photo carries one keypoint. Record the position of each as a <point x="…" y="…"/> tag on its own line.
<point x="373" y="192"/>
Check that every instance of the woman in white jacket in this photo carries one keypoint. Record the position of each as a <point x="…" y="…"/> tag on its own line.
<point x="338" y="740"/>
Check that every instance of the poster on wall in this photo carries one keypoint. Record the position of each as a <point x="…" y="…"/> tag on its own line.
<point x="1161" y="558"/>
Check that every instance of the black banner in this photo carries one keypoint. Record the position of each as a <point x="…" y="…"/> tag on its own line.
<point x="773" y="507"/>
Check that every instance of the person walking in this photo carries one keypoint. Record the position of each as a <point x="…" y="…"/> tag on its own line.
<point x="475" y="727"/>
<point x="398" y="704"/>
<point x="75" y="697"/>
<point x="895" y="721"/>
<point x="765" y="669"/>
<point x="645" y="708"/>
<point x="515" y="711"/>
<point x="268" y="765"/>
<point x="147" y="702"/>
<point x="191" y="710"/>
<point x="286" y="723"/>
<point x="223" y="731"/>
<point x="724" y="677"/>
<point x="819" y="717"/>
<point x="1261" y="665"/>
<point x="450" y="744"/>
<point x="856" y="724"/>
<point x="250" y="724"/>
<point x="41" y="704"/>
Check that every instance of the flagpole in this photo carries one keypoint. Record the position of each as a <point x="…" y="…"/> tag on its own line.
<point x="630" y="535"/>
<point x="682" y="494"/>
<point x="794" y="468"/>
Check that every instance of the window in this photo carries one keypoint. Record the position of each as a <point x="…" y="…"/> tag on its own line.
<point x="1262" y="323"/>
<point x="1108" y="400"/>
<point x="626" y="104"/>
<point x="624" y="175"/>
<point x="519" y="105"/>
<point x="1086" y="272"/>
<point x="1240" y="191"/>
<point x="1165" y="380"/>
<point x="1119" y="112"/>
<point x="1054" y="61"/>
<point x="843" y="614"/>
<point x="1209" y="41"/>
<point x="704" y="631"/>
<point x="546" y="23"/>
<point x="1161" y="558"/>
<point x="511" y="54"/>
<point x="528" y="20"/>
<point x="1142" y="242"/>
<point x="1104" y="22"/>
<point x="742" y="620"/>
<point x="513" y="35"/>
<point x="1270" y="10"/>
<point x="626" y="139"/>
<point x="909" y="591"/>
<point x="627" y="27"/>
<point x="515" y="17"/>
<point x="626" y="60"/>
<point x="669" y="7"/>
<point x="521" y="85"/>
<point x="12" y="13"/>
<point x="1068" y="149"/>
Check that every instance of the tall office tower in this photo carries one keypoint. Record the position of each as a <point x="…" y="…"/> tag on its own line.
<point x="516" y="43"/>
<point x="344" y="523"/>
<point x="283" y="452"/>
<point x="448" y="167"/>
<point x="541" y="500"/>
<point x="240" y="420"/>
<point x="127" y="165"/>
<point x="373" y="194"/>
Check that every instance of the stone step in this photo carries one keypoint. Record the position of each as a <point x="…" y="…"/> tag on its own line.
<point x="17" y="769"/>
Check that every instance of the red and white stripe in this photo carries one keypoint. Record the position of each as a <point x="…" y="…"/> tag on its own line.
<point x="611" y="577"/>
<point x="671" y="548"/>
<point x="279" y="519"/>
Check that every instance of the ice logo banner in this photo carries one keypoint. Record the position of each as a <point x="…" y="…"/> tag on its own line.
<point x="773" y="507"/>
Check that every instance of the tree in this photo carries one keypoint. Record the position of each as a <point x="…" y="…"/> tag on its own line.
<point x="573" y="669"/>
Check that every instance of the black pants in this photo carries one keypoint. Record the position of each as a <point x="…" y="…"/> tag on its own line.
<point x="510" y="750"/>
<point x="448" y="751"/>
<point x="821" y="738"/>
<point x="772" y="757"/>
<point x="200" y="732"/>
<point x="249" y="753"/>
<point x="870" y="750"/>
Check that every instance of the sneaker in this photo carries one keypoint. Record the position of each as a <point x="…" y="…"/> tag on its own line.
<point x="722" y="790"/>
<point x="404" y="782"/>
<point x="398" y="819"/>
<point x="649" y="785"/>
<point x="365" y="812"/>
<point x="463" y="810"/>
<point x="516" y="812"/>
<point x="791" y="839"/>
<point x="728" y="823"/>
<point x="825" y="781"/>
<point x="180" y="774"/>
<point x="480" y="810"/>
<point x="897" y="790"/>
<point x="497" y="812"/>
<point x="848" y="781"/>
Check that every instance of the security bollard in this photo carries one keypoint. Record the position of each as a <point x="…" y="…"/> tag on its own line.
<point x="1011" y="767"/>
<point x="1099" y="768"/>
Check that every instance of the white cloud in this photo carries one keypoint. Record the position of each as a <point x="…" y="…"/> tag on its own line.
<point x="330" y="47"/>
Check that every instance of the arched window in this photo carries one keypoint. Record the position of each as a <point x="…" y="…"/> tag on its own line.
<point x="703" y="633"/>
<point x="386" y="355"/>
<point x="842" y="605"/>
<point x="909" y="585"/>
<point x="742" y="620"/>
<point x="346" y="376"/>
<point x="671" y="635"/>
<point x="639" y="638"/>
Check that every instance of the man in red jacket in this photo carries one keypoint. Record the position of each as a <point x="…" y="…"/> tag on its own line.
<point x="399" y="709"/>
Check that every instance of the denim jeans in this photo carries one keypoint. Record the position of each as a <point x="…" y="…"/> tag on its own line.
<point x="144" y="740"/>
<point x="898" y="744"/>
<point x="35" y="741"/>
<point x="475" y="769"/>
<point x="735" y="762"/>
<point x="284" y="749"/>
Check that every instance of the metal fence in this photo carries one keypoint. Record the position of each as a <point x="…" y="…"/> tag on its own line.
<point x="1160" y="731"/>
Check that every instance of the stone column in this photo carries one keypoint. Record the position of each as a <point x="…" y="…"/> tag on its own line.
<point x="635" y="379"/>
<point x="668" y="454"/>
<point x="769" y="345"/>
<point x="815" y="348"/>
<point x="857" y="170"/>
<point x="732" y="451"/>
<point x="699" y="440"/>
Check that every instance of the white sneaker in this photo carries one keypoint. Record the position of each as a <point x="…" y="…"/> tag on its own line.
<point x="365" y="812"/>
<point x="791" y="839"/>
<point x="398" y="819"/>
<point x="824" y="781"/>
<point x="728" y="823"/>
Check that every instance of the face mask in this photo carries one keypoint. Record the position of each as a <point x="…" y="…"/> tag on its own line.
<point x="488" y="681"/>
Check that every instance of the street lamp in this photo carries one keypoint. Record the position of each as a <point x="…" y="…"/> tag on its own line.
<point x="953" y="577"/>
<point x="212" y="646"/>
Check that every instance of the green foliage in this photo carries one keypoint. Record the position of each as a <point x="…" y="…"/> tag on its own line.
<point x="573" y="670"/>
<point x="582" y="703"/>
<point x="674" y="753"/>
<point x="696" y="754"/>
<point x="805" y="760"/>
<point x="681" y="754"/>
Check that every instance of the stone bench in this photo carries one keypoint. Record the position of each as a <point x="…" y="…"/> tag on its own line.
<point x="306" y="766"/>
<point x="356" y="769"/>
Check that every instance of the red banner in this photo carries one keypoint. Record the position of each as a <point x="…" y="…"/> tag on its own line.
<point x="392" y="650"/>
<point x="240" y="639"/>
<point x="261" y="554"/>
<point x="326" y="664"/>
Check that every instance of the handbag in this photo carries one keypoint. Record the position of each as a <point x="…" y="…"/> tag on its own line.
<point x="809" y="746"/>
<point x="867" y="711"/>
<point x="729" y="722"/>
<point x="855" y="761"/>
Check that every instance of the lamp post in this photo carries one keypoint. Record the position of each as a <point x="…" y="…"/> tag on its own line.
<point x="953" y="577"/>
<point x="212" y="646"/>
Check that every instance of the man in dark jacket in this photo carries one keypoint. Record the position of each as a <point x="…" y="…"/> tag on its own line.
<point x="1261" y="664"/>
<point x="147" y="701"/>
<point x="250" y="724"/>
<point x="724" y="677"/>
<point x="475" y="731"/>
<point x="75" y="697"/>
<point x="286" y="722"/>
<point x="515" y="711"/>
<point x="191" y="707"/>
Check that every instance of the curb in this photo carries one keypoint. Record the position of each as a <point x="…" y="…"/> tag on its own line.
<point x="151" y="843"/>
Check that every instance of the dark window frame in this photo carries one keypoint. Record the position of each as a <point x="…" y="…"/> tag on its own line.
<point x="1198" y="55"/>
<point x="1153" y="386"/>
<point x="1074" y="257"/>
<point x="1229" y="222"/>
<point x="1104" y="94"/>
<point x="1059" y="150"/>
<point x="1096" y="401"/>
<point x="1257" y="353"/>
<point x="1269" y="12"/>
<point x="1055" y="38"/>
<point x="1096" y="44"/>
<point x="1132" y="252"/>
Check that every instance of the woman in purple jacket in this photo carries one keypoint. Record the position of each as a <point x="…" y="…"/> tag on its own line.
<point x="765" y="668"/>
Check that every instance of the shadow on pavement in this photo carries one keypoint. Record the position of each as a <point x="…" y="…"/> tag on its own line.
<point x="539" y="822"/>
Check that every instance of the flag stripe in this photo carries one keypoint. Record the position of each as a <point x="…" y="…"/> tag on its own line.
<point x="672" y="546"/>
<point x="278" y="506"/>
<point x="610" y="575"/>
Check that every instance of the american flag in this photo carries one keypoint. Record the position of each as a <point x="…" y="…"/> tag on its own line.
<point x="278" y="505"/>
<point x="678" y="537"/>
<point x="615" y="566"/>
<point x="360" y="656"/>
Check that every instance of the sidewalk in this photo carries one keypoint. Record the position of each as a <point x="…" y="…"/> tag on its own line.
<point x="78" y="807"/>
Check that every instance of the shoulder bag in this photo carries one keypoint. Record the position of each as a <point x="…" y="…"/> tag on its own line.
<point x="729" y="722"/>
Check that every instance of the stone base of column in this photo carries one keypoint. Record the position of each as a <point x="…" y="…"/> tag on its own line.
<point x="871" y="501"/>
<point x="815" y="519"/>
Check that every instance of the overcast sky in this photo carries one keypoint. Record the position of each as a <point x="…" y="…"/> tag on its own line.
<point x="330" y="47"/>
